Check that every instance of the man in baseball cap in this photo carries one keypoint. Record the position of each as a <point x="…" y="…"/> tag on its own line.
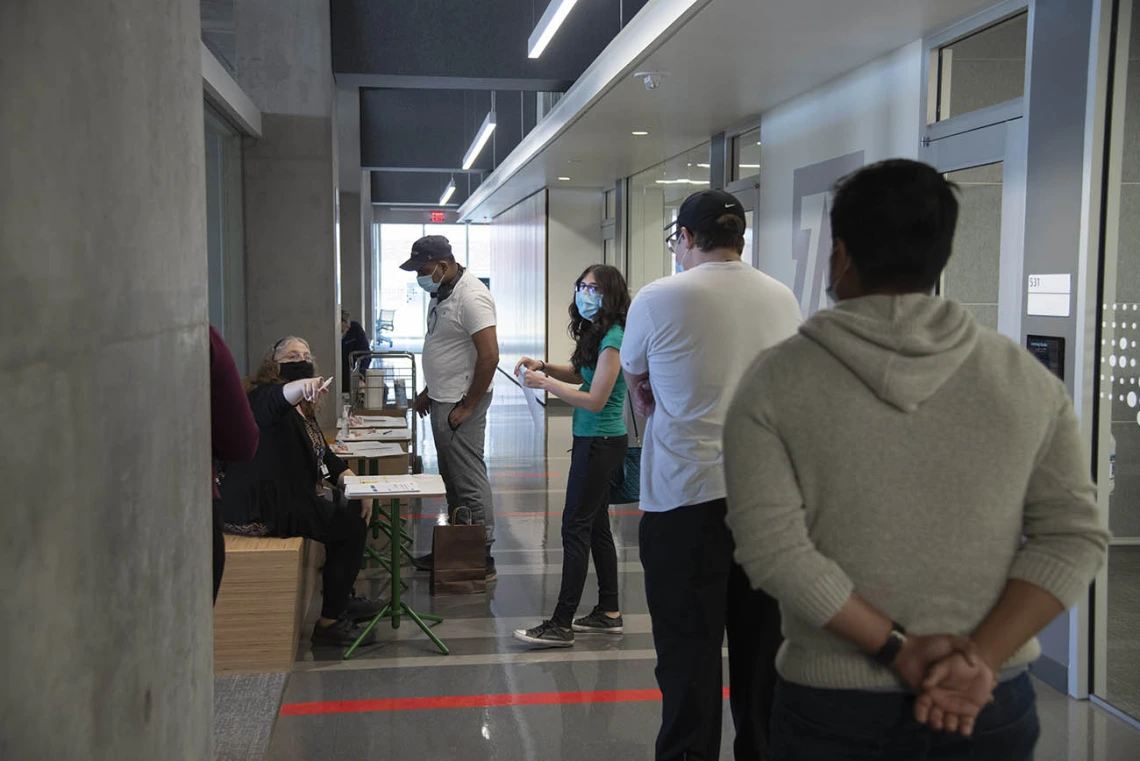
<point x="688" y="340"/>
<point x="461" y="352"/>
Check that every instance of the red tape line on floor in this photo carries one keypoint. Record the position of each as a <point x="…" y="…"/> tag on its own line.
<point x="471" y="701"/>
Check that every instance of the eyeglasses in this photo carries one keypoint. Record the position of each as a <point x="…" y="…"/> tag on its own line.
<point x="296" y="356"/>
<point x="672" y="240"/>
<point x="590" y="288"/>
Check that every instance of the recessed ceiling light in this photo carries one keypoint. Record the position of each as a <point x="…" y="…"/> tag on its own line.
<point x="639" y="133"/>
<point x="759" y="143"/>
<point x="564" y="179"/>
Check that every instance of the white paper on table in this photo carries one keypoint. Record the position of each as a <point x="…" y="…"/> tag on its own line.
<point x="531" y="396"/>
<point x="376" y="421"/>
<point x="367" y="449"/>
<point x="363" y="486"/>
<point x="379" y="434"/>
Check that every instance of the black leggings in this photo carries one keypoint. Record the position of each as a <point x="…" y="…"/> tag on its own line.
<point x="343" y="533"/>
<point x="586" y="525"/>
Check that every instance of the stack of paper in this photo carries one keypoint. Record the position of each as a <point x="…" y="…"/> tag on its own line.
<point x="364" y="486"/>
<point x="372" y="421"/>
<point x="379" y="434"/>
<point x="367" y="449"/>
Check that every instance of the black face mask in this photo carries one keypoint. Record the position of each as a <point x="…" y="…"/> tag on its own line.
<point x="293" y="371"/>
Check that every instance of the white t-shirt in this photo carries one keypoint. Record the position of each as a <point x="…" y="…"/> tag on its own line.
<point x="696" y="333"/>
<point x="449" y="352"/>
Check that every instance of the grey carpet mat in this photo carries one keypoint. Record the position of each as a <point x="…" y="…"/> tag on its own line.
<point x="245" y="708"/>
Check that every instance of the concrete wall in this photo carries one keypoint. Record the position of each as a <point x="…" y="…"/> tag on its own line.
<point x="574" y="242"/>
<point x="106" y="648"/>
<point x="351" y="259"/>
<point x="868" y="115"/>
<point x="284" y="65"/>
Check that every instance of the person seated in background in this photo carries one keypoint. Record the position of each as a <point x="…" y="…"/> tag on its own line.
<point x="284" y="490"/>
<point x="352" y="340"/>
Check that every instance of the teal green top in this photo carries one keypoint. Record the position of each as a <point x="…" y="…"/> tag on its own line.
<point x="611" y="420"/>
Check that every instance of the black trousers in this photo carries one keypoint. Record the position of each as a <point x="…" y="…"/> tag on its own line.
<point x="219" y="548"/>
<point x="695" y="593"/>
<point x="344" y="533"/>
<point x="586" y="525"/>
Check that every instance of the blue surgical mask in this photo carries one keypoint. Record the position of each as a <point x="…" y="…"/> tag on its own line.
<point x="427" y="282"/>
<point x="588" y="304"/>
<point x="678" y="268"/>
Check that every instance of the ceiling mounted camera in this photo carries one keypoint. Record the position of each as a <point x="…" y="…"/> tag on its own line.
<point x="651" y="79"/>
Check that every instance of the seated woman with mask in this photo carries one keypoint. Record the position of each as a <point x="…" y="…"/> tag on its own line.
<point x="284" y="491"/>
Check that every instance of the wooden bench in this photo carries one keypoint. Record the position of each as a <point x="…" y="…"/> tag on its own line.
<point x="265" y="595"/>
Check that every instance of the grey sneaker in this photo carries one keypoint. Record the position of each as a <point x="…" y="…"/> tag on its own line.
<point x="546" y="634"/>
<point x="342" y="633"/>
<point x="599" y="623"/>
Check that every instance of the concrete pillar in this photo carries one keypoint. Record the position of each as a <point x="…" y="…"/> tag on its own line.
<point x="106" y="649"/>
<point x="351" y="259"/>
<point x="371" y="308"/>
<point x="285" y="66"/>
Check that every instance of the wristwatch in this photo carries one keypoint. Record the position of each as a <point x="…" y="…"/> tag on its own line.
<point x="891" y="648"/>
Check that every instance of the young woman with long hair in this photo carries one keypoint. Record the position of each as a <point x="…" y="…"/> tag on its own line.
<point x="594" y="386"/>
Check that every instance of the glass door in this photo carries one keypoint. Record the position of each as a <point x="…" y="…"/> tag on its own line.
<point x="1116" y="643"/>
<point x="984" y="272"/>
<point x="748" y="192"/>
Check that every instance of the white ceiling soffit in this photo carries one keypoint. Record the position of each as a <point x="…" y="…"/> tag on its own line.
<point x="727" y="61"/>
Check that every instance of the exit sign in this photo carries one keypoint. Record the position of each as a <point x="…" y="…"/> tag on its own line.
<point x="438" y="216"/>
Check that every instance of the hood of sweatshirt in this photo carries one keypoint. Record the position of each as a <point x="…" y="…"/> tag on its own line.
<point x="904" y="348"/>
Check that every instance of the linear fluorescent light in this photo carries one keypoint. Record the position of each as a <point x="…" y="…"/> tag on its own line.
<point x="552" y="18"/>
<point x="448" y="192"/>
<point x="639" y="133"/>
<point x="682" y="182"/>
<point x="749" y="166"/>
<point x="481" y="138"/>
<point x="704" y="166"/>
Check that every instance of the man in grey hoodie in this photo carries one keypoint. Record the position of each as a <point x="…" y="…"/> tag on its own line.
<point x="912" y="488"/>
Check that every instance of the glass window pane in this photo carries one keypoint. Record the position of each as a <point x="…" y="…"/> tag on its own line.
<point x="984" y="69"/>
<point x="972" y="275"/>
<point x="611" y="204"/>
<point x="479" y="250"/>
<point x="1119" y="379"/>
<point x="399" y="292"/>
<point x="746" y="154"/>
<point x="655" y="195"/>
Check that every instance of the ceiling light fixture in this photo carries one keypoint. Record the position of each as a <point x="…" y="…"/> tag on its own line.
<point x="564" y="179"/>
<point x="552" y="18"/>
<point x="704" y="166"/>
<point x="448" y="192"/>
<point x="481" y="138"/>
<point x="682" y="182"/>
<point x="749" y="166"/>
<point x="639" y="133"/>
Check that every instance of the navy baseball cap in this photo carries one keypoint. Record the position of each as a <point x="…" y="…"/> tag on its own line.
<point x="432" y="248"/>
<point x="701" y="210"/>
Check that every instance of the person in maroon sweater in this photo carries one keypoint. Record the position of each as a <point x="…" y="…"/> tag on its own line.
<point x="233" y="432"/>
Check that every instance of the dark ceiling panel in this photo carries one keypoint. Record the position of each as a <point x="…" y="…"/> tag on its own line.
<point x="417" y="187"/>
<point x="434" y="128"/>
<point x="478" y="39"/>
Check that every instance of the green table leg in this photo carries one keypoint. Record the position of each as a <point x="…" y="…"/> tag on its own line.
<point x="397" y="608"/>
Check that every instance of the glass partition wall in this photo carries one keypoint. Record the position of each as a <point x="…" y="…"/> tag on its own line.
<point x="655" y="196"/>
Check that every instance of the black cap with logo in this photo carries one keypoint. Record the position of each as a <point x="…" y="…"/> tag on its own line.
<point x="433" y="248"/>
<point x="700" y="211"/>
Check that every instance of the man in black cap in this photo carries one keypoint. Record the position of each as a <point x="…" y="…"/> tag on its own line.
<point x="461" y="352"/>
<point x="688" y="341"/>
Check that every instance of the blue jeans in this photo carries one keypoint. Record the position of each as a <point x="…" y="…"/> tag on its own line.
<point x="810" y="724"/>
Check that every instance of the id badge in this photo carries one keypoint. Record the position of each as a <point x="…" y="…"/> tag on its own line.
<point x="324" y="470"/>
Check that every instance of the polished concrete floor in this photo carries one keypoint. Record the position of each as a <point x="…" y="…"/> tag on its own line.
<point x="494" y="699"/>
